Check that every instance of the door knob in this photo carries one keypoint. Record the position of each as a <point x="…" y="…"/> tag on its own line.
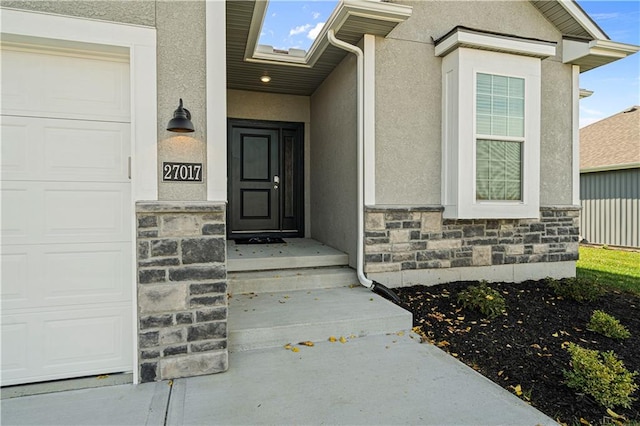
<point x="276" y="182"/>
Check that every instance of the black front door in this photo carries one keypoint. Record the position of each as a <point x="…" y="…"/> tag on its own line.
<point x="265" y="176"/>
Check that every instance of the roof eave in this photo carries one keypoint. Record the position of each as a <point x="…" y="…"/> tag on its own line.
<point x="611" y="167"/>
<point x="379" y="11"/>
<point x="595" y="53"/>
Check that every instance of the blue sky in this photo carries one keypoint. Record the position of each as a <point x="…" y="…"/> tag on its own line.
<point x="616" y="87"/>
<point x="294" y="24"/>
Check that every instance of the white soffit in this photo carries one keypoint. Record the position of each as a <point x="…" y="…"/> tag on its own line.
<point x="389" y="13"/>
<point x="585" y="93"/>
<point x="467" y="37"/>
<point x="592" y="54"/>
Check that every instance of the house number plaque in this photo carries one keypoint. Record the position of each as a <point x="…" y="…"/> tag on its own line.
<point x="182" y="172"/>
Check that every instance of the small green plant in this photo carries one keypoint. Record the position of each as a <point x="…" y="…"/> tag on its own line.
<point x="483" y="298"/>
<point x="607" y="325"/>
<point x="601" y="375"/>
<point x="578" y="289"/>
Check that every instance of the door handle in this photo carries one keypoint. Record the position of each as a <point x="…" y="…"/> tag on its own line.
<point x="276" y="181"/>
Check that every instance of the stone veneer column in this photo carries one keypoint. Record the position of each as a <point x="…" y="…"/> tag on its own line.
<point x="182" y="289"/>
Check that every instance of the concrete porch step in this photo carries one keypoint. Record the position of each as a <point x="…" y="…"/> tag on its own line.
<point x="291" y="279"/>
<point x="294" y="253"/>
<point x="264" y="320"/>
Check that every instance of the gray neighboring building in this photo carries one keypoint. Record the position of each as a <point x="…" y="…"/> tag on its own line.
<point x="610" y="180"/>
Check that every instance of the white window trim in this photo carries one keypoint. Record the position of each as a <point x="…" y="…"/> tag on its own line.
<point x="459" y="69"/>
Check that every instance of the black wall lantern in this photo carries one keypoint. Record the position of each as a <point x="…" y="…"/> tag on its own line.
<point x="181" y="121"/>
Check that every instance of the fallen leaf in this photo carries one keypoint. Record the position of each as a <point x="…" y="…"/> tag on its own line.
<point x="518" y="390"/>
<point x="104" y="376"/>
<point x="585" y="421"/>
<point x="288" y="346"/>
<point x="332" y="339"/>
<point x="443" y="343"/>
<point x="500" y="373"/>
<point x="294" y="349"/>
<point x="342" y="339"/>
<point x="306" y="343"/>
<point x="615" y="415"/>
<point x="555" y="334"/>
<point x="400" y="333"/>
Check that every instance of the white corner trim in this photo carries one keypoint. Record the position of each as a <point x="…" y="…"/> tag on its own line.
<point x="578" y="14"/>
<point x="576" y="94"/>
<point x="216" y="101"/>
<point x="499" y="43"/>
<point x="369" y="119"/>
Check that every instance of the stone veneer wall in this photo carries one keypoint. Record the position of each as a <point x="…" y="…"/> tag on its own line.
<point x="398" y="239"/>
<point x="182" y="289"/>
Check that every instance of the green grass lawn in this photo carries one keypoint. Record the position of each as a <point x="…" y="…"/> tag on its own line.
<point x="615" y="269"/>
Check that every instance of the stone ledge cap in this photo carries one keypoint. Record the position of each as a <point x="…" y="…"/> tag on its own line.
<point x="403" y="208"/>
<point x="560" y="208"/>
<point x="180" y="206"/>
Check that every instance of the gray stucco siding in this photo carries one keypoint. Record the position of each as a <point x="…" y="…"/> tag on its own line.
<point x="408" y="130"/>
<point x="556" y="139"/>
<point x="181" y="74"/>
<point x="409" y="93"/>
<point x="138" y="12"/>
<point x="334" y="160"/>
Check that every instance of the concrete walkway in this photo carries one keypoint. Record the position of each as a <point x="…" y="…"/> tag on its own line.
<point x="389" y="379"/>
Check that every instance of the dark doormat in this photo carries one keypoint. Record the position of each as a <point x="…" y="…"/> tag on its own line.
<point x="260" y="240"/>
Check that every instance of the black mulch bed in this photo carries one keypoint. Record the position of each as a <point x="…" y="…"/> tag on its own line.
<point x="524" y="346"/>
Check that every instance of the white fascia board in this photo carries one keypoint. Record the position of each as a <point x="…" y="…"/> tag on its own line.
<point x="574" y="50"/>
<point x="612" y="167"/>
<point x="538" y="49"/>
<point x="585" y="93"/>
<point x="382" y="11"/>
<point x="579" y="15"/>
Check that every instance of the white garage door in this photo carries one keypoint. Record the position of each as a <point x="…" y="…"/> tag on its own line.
<point x="66" y="214"/>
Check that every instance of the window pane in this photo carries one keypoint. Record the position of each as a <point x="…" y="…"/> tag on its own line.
<point x="496" y="190"/>
<point x="498" y="170"/>
<point x="500" y="85"/>
<point x="499" y="126"/>
<point x="516" y="127"/>
<point x="516" y="87"/>
<point x="500" y="105"/>
<point x="483" y="124"/>
<point x="516" y="107"/>
<point x="483" y="83"/>
<point x="513" y="191"/>
<point x="482" y="190"/>
<point x="483" y="104"/>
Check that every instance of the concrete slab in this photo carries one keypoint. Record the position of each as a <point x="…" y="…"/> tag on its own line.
<point x="144" y="404"/>
<point x="274" y="319"/>
<point x="387" y="379"/>
<point x="296" y="253"/>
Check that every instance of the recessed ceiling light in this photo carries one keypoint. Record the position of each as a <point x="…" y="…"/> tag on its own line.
<point x="265" y="79"/>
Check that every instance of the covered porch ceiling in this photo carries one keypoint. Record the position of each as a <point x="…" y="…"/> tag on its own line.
<point x="300" y="75"/>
